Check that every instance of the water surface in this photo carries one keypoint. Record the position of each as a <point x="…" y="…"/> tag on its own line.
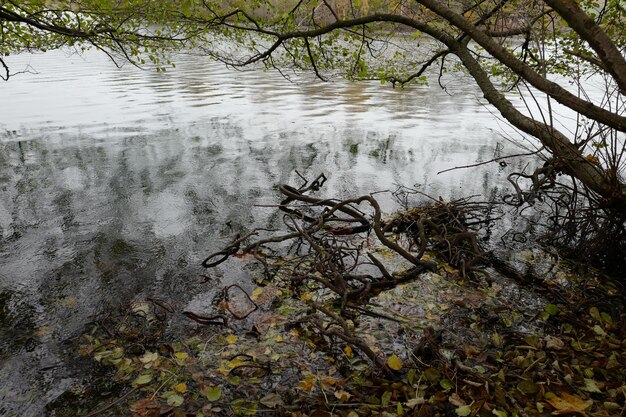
<point x="116" y="183"/>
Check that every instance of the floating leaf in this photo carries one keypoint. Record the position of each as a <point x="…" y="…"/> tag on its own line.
<point x="394" y="362"/>
<point x="569" y="404"/>
<point x="214" y="394"/>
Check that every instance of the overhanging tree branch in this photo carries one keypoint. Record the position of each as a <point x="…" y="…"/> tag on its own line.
<point x="593" y="34"/>
<point x="541" y="83"/>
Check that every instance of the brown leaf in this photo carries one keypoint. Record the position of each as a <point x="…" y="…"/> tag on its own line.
<point x="146" y="407"/>
<point x="569" y="404"/>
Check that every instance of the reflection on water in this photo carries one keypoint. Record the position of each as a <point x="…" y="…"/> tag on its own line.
<point x="115" y="184"/>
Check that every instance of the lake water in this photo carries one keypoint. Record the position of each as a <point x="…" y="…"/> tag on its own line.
<point x="116" y="183"/>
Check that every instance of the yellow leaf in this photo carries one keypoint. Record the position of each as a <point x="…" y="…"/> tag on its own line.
<point x="307" y="383"/>
<point x="182" y="388"/>
<point x="231" y="339"/>
<point x="348" y="351"/>
<point x="306" y="296"/>
<point x="569" y="404"/>
<point x="394" y="363"/>
<point x="256" y="293"/>
<point x="181" y="355"/>
<point x="342" y="395"/>
<point x="278" y="338"/>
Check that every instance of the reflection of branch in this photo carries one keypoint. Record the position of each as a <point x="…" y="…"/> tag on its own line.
<point x="500" y="158"/>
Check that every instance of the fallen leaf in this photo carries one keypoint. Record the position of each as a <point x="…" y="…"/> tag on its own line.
<point x="591" y="386"/>
<point x="143" y="379"/>
<point x="146" y="406"/>
<point x="456" y="400"/>
<point x="271" y="400"/>
<point x="446" y="384"/>
<point x="463" y="411"/>
<point x="414" y="402"/>
<point x="149" y="357"/>
<point x="553" y="343"/>
<point x="307" y="384"/>
<point x="342" y="395"/>
<point x="394" y="362"/>
<point x="256" y="293"/>
<point x="231" y="339"/>
<point x="175" y="400"/>
<point x="569" y="404"/>
<point x="214" y="394"/>
<point x="348" y="351"/>
<point x="182" y="388"/>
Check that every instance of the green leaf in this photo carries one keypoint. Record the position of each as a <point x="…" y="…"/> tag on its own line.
<point x="527" y="387"/>
<point x="175" y="400"/>
<point x="432" y="374"/>
<point x="591" y="386"/>
<point x="446" y="384"/>
<point x="214" y="394"/>
<point x="595" y="313"/>
<point x="185" y="7"/>
<point x="143" y="379"/>
<point x="599" y="331"/>
<point x="244" y="407"/>
<point x="386" y="397"/>
<point x="606" y="317"/>
<point x="552" y="309"/>
<point x="463" y="411"/>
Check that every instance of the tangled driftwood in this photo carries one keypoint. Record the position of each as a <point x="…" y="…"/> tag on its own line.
<point x="331" y="251"/>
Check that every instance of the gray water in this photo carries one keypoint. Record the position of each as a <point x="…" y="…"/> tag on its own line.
<point x="116" y="183"/>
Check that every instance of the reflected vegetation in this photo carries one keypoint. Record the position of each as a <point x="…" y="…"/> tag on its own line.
<point x="115" y="184"/>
